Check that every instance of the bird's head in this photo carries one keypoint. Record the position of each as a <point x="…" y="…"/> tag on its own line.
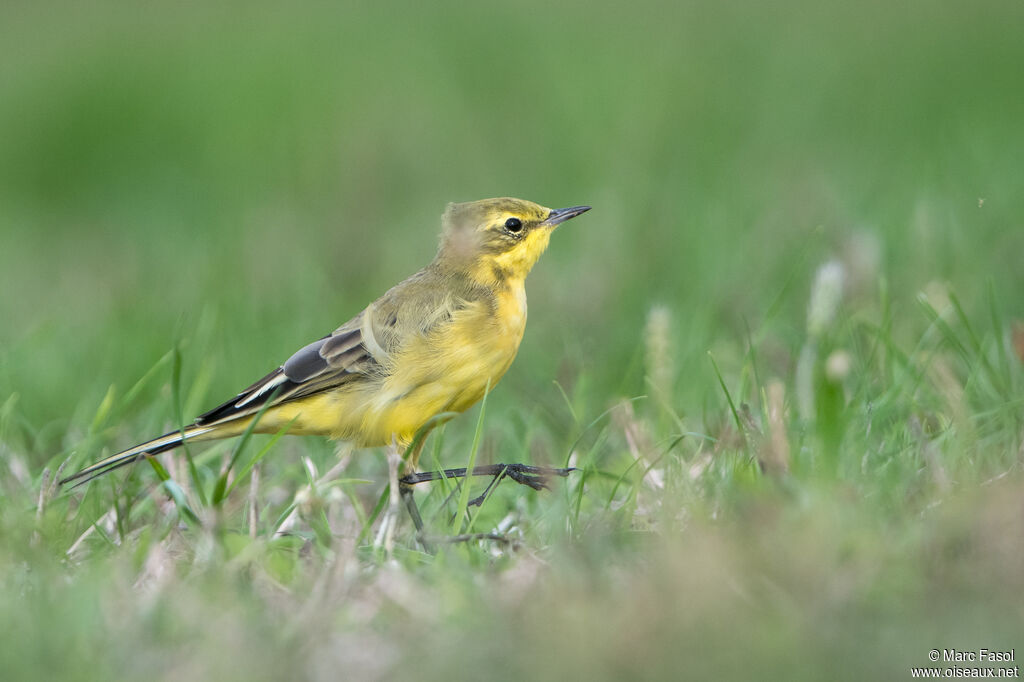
<point x="497" y="239"/>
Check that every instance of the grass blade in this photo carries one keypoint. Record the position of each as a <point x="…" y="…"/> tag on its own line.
<point x="460" y="511"/>
<point x="176" y="399"/>
<point x="175" y="491"/>
<point x="732" y="405"/>
<point x="220" y="488"/>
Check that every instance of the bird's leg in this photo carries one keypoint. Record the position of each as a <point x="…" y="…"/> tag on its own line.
<point x="534" y="476"/>
<point x="386" y="533"/>
<point x="410" y="506"/>
<point x="414" y="514"/>
<point x="479" y="499"/>
<point x="525" y="474"/>
<point x="409" y="458"/>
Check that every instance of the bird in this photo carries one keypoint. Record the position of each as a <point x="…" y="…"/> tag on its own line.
<point x="433" y="344"/>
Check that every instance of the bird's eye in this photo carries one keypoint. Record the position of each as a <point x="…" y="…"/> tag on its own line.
<point x="513" y="225"/>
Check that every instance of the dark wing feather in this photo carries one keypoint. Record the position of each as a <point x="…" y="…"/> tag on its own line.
<point x="328" y="362"/>
<point x="306" y="362"/>
<point x="236" y="406"/>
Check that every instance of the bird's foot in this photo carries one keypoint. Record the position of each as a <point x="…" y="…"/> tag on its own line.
<point x="533" y="476"/>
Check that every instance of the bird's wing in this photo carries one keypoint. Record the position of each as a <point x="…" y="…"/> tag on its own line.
<point x="358" y="350"/>
<point x="351" y="353"/>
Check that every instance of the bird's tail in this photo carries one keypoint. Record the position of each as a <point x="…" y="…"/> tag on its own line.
<point x="164" y="443"/>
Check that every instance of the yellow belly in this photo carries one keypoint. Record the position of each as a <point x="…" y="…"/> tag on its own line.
<point x="447" y="370"/>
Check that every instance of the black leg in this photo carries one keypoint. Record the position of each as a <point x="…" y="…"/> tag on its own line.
<point x="533" y="476"/>
<point x="414" y="512"/>
<point x="479" y="499"/>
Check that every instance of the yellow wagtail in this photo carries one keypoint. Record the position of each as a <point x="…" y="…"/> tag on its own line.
<point x="431" y="344"/>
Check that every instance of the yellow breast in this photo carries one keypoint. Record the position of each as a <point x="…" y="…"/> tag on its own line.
<point x="445" y="370"/>
<point x="449" y="370"/>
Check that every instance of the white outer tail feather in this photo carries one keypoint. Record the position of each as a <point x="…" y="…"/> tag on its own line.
<point x="162" y="444"/>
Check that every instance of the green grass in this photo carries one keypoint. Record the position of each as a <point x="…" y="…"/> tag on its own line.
<point x="784" y="350"/>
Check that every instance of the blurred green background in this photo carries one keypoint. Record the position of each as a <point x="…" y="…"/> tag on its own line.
<point x="239" y="179"/>
<point x="278" y="167"/>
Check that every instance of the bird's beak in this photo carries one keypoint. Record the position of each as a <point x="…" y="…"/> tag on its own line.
<point x="560" y="215"/>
